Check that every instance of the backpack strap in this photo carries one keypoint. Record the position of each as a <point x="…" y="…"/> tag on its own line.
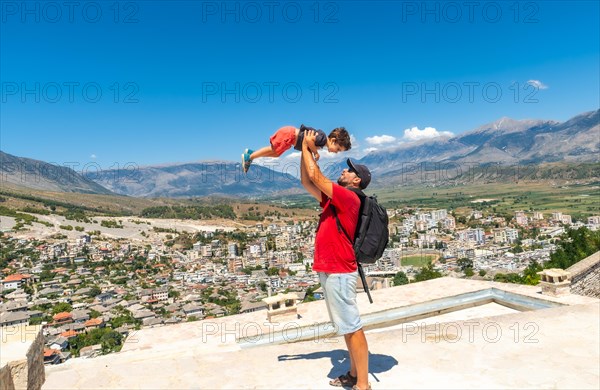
<point x="339" y="224"/>
<point x="361" y="197"/>
<point x="361" y="273"/>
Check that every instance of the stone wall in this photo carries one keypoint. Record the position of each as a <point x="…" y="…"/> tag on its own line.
<point x="6" y="382"/>
<point x="36" y="373"/>
<point x="585" y="276"/>
<point x="24" y="369"/>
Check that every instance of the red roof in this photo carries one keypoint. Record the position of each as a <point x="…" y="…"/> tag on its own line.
<point x="16" y="277"/>
<point x="69" y="333"/>
<point x="62" y="316"/>
<point x="48" y="352"/>
<point x="94" y="322"/>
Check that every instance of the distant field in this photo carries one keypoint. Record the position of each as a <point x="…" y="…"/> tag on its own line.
<point x="93" y="204"/>
<point x="579" y="200"/>
<point x="417" y="260"/>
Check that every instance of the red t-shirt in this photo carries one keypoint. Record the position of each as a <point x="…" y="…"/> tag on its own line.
<point x="333" y="251"/>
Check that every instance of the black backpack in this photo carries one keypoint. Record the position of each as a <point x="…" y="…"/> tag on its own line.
<point x="372" y="234"/>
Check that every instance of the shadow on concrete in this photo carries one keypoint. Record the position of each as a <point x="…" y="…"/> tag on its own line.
<point x="340" y="361"/>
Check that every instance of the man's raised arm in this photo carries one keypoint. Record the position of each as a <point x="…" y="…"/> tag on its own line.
<point x="306" y="182"/>
<point x="309" y="168"/>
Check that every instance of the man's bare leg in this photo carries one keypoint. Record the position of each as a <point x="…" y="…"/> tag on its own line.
<point x="359" y="357"/>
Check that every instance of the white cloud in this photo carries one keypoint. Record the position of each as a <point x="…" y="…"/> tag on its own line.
<point x="537" y="84"/>
<point x="415" y="134"/>
<point x="380" y="139"/>
<point x="293" y="156"/>
<point x="369" y="150"/>
<point x="93" y="156"/>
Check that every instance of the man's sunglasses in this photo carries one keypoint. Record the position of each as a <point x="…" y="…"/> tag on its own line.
<point x="356" y="173"/>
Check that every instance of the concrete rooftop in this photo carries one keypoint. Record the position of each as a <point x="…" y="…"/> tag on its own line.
<point x="483" y="346"/>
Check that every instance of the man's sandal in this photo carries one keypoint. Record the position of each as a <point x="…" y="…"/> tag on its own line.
<point x="345" y="380"/>
<point x="357" y="388"/>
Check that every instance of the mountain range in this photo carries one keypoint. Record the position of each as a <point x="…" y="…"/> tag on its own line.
<point x="504" y="142"/>
<point x="219" y="178"/>
<point x="39" y="175"/>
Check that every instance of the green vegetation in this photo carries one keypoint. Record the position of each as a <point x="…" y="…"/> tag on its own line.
<point x="62" y="307"/>
<point x="417" y="260"/>
<point x="248" y="270"/>
<point x="273" y="271"/>
<point x="110" y="340"/>
<point x="111" y="224"/>
<point x="427" y="273"/>
<point x="529" y="277"/>
<point x="25" y="219"/>
<point x="309" y="297"/>
<point x="124" y="317"/>
<point x="189" y="212"/>
<point x="9" y="252"/>
<point x="580" y="201"/>
<point x="34" y="210"/>
<point x="72" y="211"/>
<point x="575" y="245"/>
<point x="75" y="214"/>
<point x="400" y="278"/>
<point x="224" y="298"/>
<point x="164" y="230"/>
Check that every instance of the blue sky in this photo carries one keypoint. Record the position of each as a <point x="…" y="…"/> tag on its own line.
<point x="152" y="82"/>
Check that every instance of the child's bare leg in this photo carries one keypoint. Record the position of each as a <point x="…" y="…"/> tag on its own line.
<point x="267" y="151"/>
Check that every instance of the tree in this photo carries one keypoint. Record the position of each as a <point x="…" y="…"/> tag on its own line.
<point x="309" y="297"/>
<point x="530" y="275"/>
<point x="62" y="307"/>
<point x="111" y="341"/>
<point x="427" y="273"/>
<point x="464" y="263"/>
<point x="95" y="290"/>
<point x="400" y="278"/>
<point x="575" y="245"/>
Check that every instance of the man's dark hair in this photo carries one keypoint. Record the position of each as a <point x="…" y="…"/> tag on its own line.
<point x="342" y="138"/>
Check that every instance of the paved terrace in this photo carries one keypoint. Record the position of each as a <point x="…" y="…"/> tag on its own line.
<point x="483" y="346"/>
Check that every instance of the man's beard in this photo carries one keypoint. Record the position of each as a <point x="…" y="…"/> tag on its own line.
<point x="341" y="182"/>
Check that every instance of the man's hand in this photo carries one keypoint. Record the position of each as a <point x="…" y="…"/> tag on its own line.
<point x="311" y="168"/>
<point x="310" y="138"/>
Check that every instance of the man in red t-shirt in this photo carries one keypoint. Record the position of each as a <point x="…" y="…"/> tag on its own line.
<point x="335" y="261"/>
